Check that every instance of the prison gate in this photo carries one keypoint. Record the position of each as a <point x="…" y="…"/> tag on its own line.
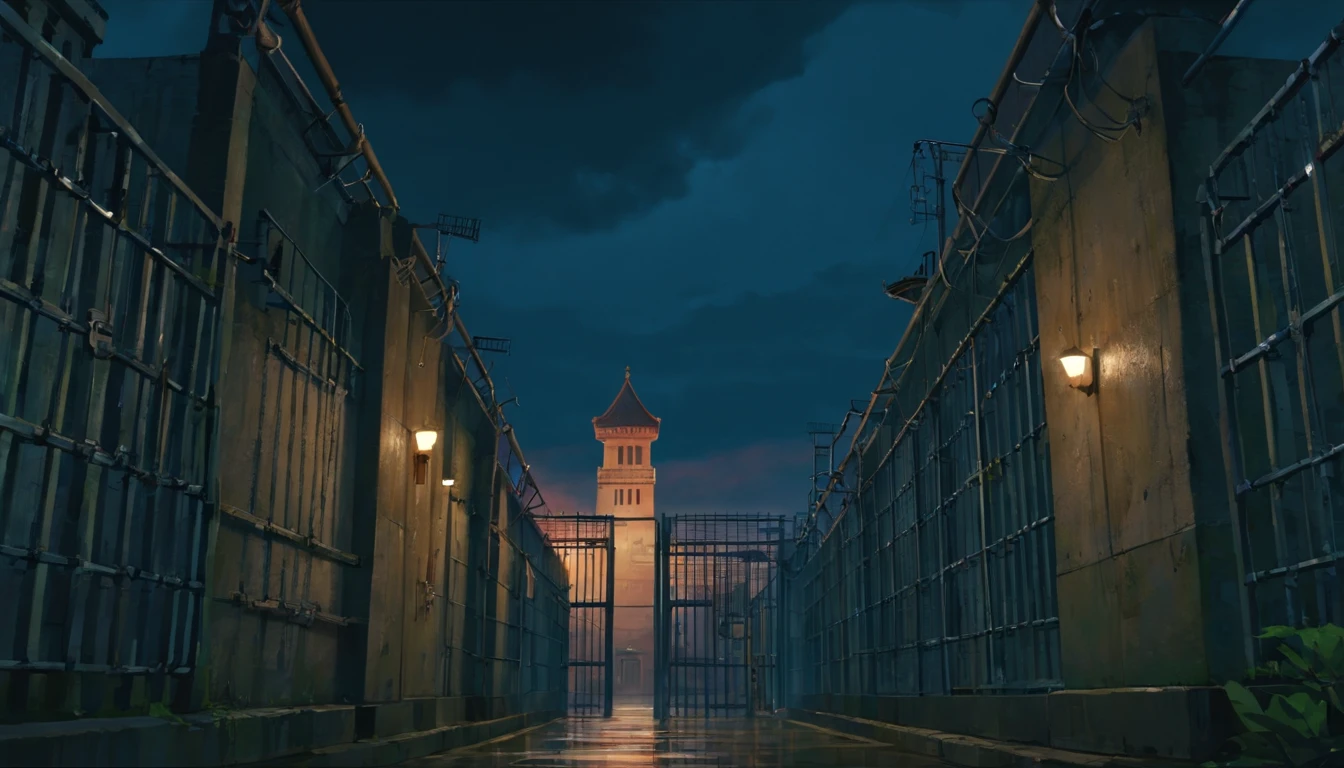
<point x="586" y="545"/>
<point x="717" y="617"/>
<point x="1271" y="239"/>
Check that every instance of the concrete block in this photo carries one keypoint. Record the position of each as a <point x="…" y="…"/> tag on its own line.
<point x="450" y="710"/>
<point x="1179" y="723"/>
<point x="1090" y="618"/>
<point x="975" y="753"/>
<point x="394" y="718"/>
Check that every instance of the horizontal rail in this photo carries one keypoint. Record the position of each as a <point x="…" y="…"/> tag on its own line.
<point x="80" y="566"/>
<point x="1296" y="81"/>
<point x="112" y="219"/>
<point x="15" y="25"/>
<point x="294" y="613"/>
<point x="70" y="324"/>
<point x="96" y="455"/>
<point x="268" y="528"/>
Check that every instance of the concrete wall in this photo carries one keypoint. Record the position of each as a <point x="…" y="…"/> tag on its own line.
<point x="331" y="576"/>
<point x="1148" y="577"/>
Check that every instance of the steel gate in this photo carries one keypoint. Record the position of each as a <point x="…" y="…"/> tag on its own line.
<point x="1271" y="247"/>
<point x="111" y="273"/>
<point x="718" y="618"/>
<point x="587" y="546"/>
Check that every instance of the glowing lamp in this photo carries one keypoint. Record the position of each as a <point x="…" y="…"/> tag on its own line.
<point x="424" y="443"/>
<point x="1078" y="368"/>
<point x="448" y="482"/>
<point x="425" y="440"/>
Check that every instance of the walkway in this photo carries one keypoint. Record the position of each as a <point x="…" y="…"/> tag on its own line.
<point x="630" y="739"/>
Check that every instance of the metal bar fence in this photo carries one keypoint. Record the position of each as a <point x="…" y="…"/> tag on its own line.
<point x="718" y="617"/>
<point x="938" y="575"/>
<point x="1271" y="246"/>
<point x="300" y="484"/>
<point x="111" y="271"/>
<point x="586" y="547"/>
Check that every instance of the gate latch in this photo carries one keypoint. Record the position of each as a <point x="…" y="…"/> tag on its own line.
<point x="100" y="334"/>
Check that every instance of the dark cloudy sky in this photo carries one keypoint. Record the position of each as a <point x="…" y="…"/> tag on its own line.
<point x="709" y="192"/>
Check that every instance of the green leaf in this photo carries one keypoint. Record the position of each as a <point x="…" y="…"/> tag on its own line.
<point x="1311" y="711"/>
<point x="1244" y="703"/>
<point x="1278" y="632"/>
<point x="1296" y="660"/>
<point x="1330" y="651"/>
<point x="1260" y="746"/>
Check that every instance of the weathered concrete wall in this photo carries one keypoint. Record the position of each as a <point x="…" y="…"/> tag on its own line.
<point x="1147" y="574"/>
<point x="1129" y="586"/>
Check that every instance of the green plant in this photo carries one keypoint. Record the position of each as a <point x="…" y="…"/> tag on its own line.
<point x="1302" y="727"/>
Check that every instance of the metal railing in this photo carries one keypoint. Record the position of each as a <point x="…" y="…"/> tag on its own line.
<point x="1272" y="247"/>
<point x="938" y="576"/>
<point x="111" y="272"/>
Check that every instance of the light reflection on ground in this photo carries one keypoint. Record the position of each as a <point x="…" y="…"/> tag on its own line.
<point x="631" y="739"/>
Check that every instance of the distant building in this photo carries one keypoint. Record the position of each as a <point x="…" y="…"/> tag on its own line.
<point x="625" y="489"/>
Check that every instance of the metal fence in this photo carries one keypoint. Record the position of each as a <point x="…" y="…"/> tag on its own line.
<point x="587" y="546"/>
<point x="717" y="622"/>
<point x="298" y="499"/>
<point x="938" y="576"/>
<point x="1271" y="244"/>
<point x="110" y="276"/>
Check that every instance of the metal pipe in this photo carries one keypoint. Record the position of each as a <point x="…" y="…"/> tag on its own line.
<point x="1228" y="23"/>
<point x="1038" y="12"/>
<point x="294" y="10"/>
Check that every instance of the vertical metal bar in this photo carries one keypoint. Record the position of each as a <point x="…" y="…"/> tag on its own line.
<point x="609" y="650"/>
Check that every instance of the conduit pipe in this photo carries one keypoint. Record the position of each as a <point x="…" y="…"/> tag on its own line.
<point x="294" y="10"/>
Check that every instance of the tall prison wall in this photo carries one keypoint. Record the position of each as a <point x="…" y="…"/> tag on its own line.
<point x="1067" y="557"/>
<point x="327" y="576"/>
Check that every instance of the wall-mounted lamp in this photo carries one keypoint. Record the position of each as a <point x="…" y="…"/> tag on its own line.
<point x="448" y="482"/>
<point x="424" y="443"/>
<point x="1079" y="366"/>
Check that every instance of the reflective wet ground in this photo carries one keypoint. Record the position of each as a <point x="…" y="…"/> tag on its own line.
<point x="631" y="739"/>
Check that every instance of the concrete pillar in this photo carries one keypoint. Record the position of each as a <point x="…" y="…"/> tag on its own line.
<point x="1148" y="585"/>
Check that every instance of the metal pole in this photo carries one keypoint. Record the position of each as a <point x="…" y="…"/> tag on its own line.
<point x="1229" y="23"/>
<point x="609" y="640"/>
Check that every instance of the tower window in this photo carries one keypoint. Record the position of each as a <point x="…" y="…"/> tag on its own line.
<point x="639" y="454"/>
<point x="620" y="454"/>
<point x="636" y="495"/>
<point x="615" y="496"/>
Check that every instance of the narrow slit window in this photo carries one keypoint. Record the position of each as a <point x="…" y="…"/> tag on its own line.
<point x="636" y="496"/>
<point x="639" y="454"/>
<point x="615" y="496"/>
<point x="620" y="454"/>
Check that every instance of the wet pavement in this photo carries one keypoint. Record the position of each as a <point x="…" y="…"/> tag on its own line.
<point x="631" y="739"/>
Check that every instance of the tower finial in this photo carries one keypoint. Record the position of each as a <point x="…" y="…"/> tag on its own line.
<point x="627" y="373"/>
